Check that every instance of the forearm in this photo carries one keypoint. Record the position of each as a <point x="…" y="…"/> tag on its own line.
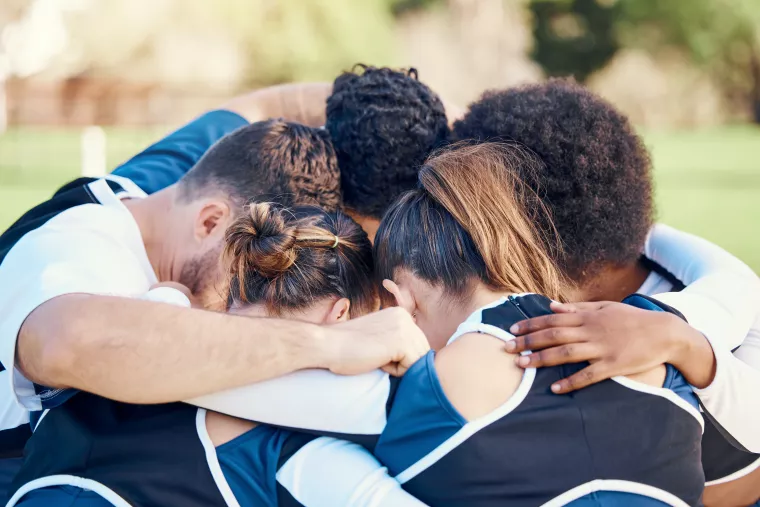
<point x="731" y="399"/>
<point x="692" y="354"/>
<point x="300" y="102"/>
<point x="143" y="352"/>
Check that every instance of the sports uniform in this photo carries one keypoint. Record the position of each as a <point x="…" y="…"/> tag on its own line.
<point x="77" y="231"/>
<point x="619" y="441"/>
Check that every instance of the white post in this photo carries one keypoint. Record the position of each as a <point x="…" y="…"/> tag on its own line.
<point x="93" y="152"/>
<point x="4" y="72"/>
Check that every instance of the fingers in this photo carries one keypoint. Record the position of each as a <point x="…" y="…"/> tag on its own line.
<point x="580" y="307"/>
<point x="584" y="378"/>
<point x="562" y="307"/>
<point x="394" y="369"/>
<point x="544" y="339"/>
<point x="545" y="322"/>
<point x="564" y="354"/>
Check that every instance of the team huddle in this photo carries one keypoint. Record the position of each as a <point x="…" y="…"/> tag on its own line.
<point x="337" y="295"/>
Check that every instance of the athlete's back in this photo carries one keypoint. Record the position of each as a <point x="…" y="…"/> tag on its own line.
<point x="620" y="442"/>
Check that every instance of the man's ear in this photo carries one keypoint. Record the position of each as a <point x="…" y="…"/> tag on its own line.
<point x="338" y="312"/>
<point x="213" y="217"/>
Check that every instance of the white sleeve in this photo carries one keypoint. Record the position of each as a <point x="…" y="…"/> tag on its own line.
<point x="314" y="400"/>
<point x="50" y="262"/>
<point x="732" y="397"/>
<point x="721" y="300"/>
<point x="327" y="472"/>
<point x="722" y="293"/>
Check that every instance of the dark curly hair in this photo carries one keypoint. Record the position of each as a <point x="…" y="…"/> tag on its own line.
<point x="383" y="124"/>
<point x="596" y="177"/>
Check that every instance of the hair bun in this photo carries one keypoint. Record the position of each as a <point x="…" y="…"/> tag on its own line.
<point x="260" y="240"/>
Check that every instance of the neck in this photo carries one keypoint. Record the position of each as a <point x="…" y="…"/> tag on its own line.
<point x="481" y="296"/>
<point x="152" y="216"/>
<point x="612" y="283"/>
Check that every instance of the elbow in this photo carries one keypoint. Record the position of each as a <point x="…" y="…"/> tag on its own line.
<point x="49" y="347"/>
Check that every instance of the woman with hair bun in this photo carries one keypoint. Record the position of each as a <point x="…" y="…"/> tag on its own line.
<point x="302" y="263"/>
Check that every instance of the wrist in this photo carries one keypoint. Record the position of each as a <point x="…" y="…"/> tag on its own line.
<point x="322" y="349"/>
<point x="691" y="353"/>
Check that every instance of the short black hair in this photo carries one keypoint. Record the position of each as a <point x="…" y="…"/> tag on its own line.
<point x="275" y="161"/>
<point x="383" y="123"/>
<point x="596" y="176"/>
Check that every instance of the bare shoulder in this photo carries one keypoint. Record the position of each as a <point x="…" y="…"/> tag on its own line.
<point x="223" y="428"/>
<point x="477" y="374"/>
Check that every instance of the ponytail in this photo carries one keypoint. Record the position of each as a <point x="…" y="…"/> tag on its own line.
<point x="471" y="218"/>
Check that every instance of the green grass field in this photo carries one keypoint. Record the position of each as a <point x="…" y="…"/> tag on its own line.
<point x="708" y="181"/>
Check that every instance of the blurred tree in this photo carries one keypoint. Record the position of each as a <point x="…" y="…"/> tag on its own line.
<point x="720" y="36"/>
<point x="308" y="39"/>
<point x="574" y="37"/>
<point x="578" y="37"/>
<point x="227" y="44"/>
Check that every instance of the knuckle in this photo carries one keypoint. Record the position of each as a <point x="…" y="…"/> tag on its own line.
<point x="567" y="351"/>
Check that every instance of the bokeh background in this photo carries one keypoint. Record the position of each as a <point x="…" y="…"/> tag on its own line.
<point x="686" y="71"/>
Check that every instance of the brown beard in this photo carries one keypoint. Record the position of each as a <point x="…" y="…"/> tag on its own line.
<point x="202" y="273"/>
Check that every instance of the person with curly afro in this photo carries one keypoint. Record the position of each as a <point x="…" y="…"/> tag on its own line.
<point x="596" y="183"/>
<point x="383" y="124"/>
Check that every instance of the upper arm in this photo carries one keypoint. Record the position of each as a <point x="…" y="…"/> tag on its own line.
<point x="477" y="374"/>
<point x="164" y="163"/>
<point x="299" y="102"/>
<point x="314" y="400"/>
<point x="721" y="294"/>
<point x="329" y="472"/>
<point x="48" y="263"/>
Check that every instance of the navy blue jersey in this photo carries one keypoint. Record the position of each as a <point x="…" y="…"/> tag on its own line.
<point x="155" y="455"/>
<point x="167" y="161"/>
<point x="618" y="437"/>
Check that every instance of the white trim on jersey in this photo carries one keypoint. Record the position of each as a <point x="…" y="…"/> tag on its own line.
<point x="664" y="393"/>
<point x="479" y="327"/>
<point x="474" y="324"/>
<point x="69" y="480"/>
<point x="470" y="429"/>
<point x="618" y="486"/>
<point x="12" y="414"/>
<point x="129" y="186"/>
<point x="213" y="460"/>
<point x="44" y="413"/>
<point x="736" y="475"/>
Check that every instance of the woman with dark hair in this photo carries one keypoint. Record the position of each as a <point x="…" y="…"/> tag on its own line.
<point x="466" y="426"/>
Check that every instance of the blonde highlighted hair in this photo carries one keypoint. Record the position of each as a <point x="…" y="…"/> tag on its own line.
<point x="472" y="218"/>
